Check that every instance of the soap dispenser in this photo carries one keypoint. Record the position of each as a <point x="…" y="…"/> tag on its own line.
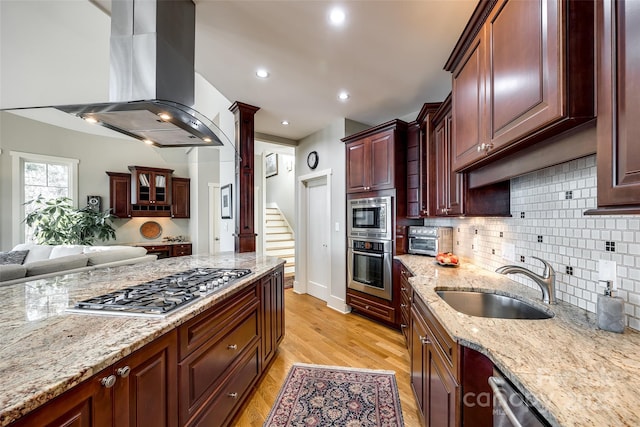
<point x="610" y="311"/>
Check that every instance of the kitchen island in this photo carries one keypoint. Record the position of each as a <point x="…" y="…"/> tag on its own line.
<point x="572" y="372"/>
<point x="46" y="351"/>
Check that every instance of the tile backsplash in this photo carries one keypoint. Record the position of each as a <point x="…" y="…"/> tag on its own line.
<point x="547" y="221"/>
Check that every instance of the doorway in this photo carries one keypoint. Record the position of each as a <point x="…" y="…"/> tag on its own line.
<point x="314" y="237"/>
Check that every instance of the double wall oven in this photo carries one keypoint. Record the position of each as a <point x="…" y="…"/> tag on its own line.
<point x="370" y="245"/>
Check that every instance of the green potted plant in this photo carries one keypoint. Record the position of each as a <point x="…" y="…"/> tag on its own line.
<point x="57" y="222"/>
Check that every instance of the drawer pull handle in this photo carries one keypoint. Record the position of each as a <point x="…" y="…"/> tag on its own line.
<point x="424" y="340"/>
<point x="109" y="381"/>
<point x="403" y="305"/>
<point x="403" y="289"/>
<point x="123" y="372"/>
<point x="232" y="347"/>
<point x="402" y="325"/>
<point x="233" y="395"/>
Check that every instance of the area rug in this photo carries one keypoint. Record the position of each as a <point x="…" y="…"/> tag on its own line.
<point x="316" y="395"/>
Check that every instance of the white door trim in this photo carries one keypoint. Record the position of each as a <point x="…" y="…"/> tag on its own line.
<point x="214" y="215"/>
<point x="301" y="282"/>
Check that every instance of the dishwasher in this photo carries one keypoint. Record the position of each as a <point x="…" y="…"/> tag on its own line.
<point x="511" y="409"/>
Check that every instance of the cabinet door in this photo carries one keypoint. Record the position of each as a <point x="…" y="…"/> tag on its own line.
<point x="449" y="184"/>
<point x="618" y="104"/>
<point x="413" y="171"/>
<point x="468" y="99"/>
<point x="456" y="180"/>
<point x="357" y="168"/>
<point x="524" y="68"/>
<point x="278" y="284"/>
<point x="180" y="197"/>
<point x="268" y="318"/>
<point x="120" y="194"/>
<point x="418" y="359"/>
<point x="381" y="161"/>
<point x="146" y="393"/>
<point x="161" y="182"/>
<point x="86" y="405"/>
<point x="441" y="401"/>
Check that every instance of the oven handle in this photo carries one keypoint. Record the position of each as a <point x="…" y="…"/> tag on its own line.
<point x="368" y="254"/>
<point x="496" y="386"/>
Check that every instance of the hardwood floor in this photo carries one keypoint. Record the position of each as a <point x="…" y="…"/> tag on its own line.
<point x="317" y="334"/>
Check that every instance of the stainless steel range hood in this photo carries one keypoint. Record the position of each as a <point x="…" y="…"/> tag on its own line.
<point x="151" y="79"/>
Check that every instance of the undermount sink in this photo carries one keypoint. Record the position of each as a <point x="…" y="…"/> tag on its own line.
<point x="485" y="304"/>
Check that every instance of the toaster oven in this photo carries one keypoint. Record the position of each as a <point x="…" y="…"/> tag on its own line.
<point x="430" y="240"/>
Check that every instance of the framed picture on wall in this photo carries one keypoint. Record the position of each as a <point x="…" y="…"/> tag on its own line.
<point x="225" y="201"/>
<point x="271" y="165"/>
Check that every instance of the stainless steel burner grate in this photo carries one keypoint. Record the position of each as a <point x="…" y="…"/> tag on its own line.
<point x="160" y="297"/>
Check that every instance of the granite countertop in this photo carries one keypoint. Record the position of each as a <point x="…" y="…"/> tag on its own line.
<point x="574" y="373"/>
<point x="45" y="351"/>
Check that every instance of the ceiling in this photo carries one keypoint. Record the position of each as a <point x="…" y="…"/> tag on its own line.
<point x="388" y="55"/>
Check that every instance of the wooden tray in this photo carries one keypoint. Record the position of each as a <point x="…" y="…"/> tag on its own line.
<point x="151" y="230"/>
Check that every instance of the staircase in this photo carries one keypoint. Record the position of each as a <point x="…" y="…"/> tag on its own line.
<point x="279" y="240"/>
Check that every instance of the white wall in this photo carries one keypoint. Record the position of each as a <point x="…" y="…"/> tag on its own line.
<point x="280" y="188"/>
<point x="331" y="153"/>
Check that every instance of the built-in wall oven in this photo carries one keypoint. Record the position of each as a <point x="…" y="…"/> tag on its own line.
<point x="369" y="266"/>
<point x="370" y="217"/>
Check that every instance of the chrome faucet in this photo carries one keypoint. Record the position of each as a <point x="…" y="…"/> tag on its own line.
<point x="547" y="281"/>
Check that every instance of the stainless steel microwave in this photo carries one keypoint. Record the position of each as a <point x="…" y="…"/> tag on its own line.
<point x="369" y="217"/>
<point x="430" y="241"/>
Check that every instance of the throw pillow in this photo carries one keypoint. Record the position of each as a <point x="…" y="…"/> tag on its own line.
<point x="13" y="257"/>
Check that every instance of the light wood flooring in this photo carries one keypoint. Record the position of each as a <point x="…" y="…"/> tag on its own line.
<point x="317" y="334"/>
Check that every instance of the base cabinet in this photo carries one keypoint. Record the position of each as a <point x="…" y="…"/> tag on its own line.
<point x="138" y="391"/>
<point x="199" y="374"/>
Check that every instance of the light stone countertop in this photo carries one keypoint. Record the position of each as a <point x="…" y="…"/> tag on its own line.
<point x="45" y="351"/>
<point x="574" y="373"/>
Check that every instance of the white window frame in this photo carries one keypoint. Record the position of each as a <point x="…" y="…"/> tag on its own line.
<point x="18" y="160"/>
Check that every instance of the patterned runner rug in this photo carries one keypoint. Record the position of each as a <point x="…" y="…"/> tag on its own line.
<point x="316" y="395"/>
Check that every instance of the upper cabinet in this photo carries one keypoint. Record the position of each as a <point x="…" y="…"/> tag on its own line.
<point x="449" y="184"/>
<point x="618" y="128"/>
<point x="149" y="192"/>
<point x="420" y="164"/>
<point x="521" y="75"/>
<point x="371" y="157"/>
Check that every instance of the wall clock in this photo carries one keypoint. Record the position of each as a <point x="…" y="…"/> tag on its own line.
<point x="312" y="160"/>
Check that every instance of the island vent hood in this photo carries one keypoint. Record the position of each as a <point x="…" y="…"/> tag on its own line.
<point x="151" y="78"/>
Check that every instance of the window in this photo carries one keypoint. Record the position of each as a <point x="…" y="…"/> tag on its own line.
<point x="37" y="175"/>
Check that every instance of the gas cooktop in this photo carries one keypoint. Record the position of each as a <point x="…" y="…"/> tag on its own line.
<point x="163" y="296"/>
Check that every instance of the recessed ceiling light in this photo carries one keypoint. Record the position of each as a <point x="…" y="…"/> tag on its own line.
<point x="337" y="16"/>
<point x="343" y="96"/>
<point x="90" y="119"/>
<point x="262" y="73"/>
<point x="148" y="141"/>
<point x="285" y="122"/>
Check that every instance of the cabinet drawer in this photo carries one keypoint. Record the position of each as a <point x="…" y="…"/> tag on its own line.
<point x="371" y="308"/>
<point x="443" y="342"/>
<point x="217" y="321"/>
<point x="220" y="411"/>
<point x="201" y="372"/>
<point x="181" y="250"/>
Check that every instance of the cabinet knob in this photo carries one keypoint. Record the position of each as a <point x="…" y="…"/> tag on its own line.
<point x="109" y="381"/>
<point x="445" y="210"/>
<point x="403" y="289"/>
<point x="232" y="347"/>
<point x="403" y="305"/>
<point x="402" y="325"/>
<point x="367" y="307"/>
<point x="485" y="146"/>
<point x="123" y="372"/>
<point x="233" y="395"/>
<point x="424" y="340"/>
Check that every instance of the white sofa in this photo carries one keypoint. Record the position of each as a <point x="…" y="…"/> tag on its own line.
<point x="44" y="261"/>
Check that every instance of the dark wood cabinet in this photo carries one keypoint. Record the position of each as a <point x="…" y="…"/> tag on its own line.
<point x="373" y="307"/>
<point x="421" y="174"/>
<point x="521" y="75"/>
<point x="618" y="129"/>
<point x="272" y="294"/>
<point x="450" y="186"/>
<point x="180" y="197"/>
<point x="433" y="369"/>
<point x="375" y="156"/>
<point x="405" y="303"/>
<point x="138" y="391"/>
<point x="120" y="194"/>
<point x="181" y="249"/>
<point x="149" y="192"/>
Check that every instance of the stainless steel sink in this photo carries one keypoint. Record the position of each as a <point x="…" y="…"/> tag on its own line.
<point x="484" y="304"/>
